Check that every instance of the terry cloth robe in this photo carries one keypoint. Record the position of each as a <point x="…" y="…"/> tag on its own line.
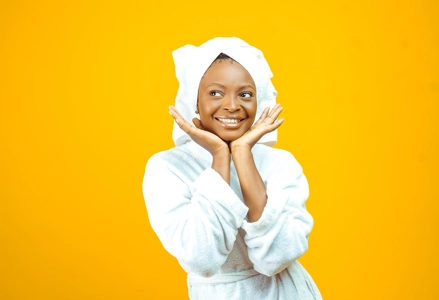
<point x="201" y="220"/>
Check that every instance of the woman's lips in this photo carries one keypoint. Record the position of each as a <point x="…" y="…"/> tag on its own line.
<point x="230" y="122"/>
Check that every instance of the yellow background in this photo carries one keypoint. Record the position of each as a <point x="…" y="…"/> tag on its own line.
<point x="84" y="90"/>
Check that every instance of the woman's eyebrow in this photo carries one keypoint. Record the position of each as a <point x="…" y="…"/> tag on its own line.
<point x="247" y="86"/>
<point x="219" y="84"/>
<point x="224" y="87"/>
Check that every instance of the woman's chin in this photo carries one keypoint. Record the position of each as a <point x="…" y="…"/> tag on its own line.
<point x="228" y="138"/>
<point x="229" y="135"/>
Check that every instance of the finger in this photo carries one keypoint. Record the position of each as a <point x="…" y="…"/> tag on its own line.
<point x="197" y="123"/>
<point x="274" y="110"/>
<point x="274" y="114"/>
<point x="174" y="112"/>
<point x="263" y="115"/>
<point x="176" y="115"/>
<point x="181" y="122"/>
<point x="270" y="111"/>
<point x="275" y="125"/>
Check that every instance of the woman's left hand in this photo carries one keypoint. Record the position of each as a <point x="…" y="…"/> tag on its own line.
<point x="267" y="122"/>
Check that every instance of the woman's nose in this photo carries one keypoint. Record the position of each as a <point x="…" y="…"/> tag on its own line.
<point x="231" y="103"/>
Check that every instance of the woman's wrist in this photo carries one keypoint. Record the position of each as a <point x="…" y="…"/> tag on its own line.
<point x="222" y="156"/>
<point x="239" y="149"/>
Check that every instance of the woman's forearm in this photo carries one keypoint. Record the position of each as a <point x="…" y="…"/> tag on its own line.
<point x="221" y="164"/>
<point x="252" y="186"/>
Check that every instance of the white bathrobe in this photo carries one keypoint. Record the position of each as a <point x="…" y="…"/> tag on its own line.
<point x="201" y="220"/>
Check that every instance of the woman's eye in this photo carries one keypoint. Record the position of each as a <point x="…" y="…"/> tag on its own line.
<point x="246" y="95"/>
<point x="215" y="93"/>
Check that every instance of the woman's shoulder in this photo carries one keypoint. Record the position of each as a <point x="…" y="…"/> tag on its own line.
<point x="267" y="152"/>
<point x="169" y="155"/>
<point x="268" y="157"/>
<point x="178" y="157"/>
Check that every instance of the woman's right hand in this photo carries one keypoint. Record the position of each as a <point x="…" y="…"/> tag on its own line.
<point x="205" y="139"/>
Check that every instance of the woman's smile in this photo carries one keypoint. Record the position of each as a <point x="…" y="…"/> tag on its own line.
<point x="230" y="122"/>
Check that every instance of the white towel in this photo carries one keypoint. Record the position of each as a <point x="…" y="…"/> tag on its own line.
<point x="191" y="63"/>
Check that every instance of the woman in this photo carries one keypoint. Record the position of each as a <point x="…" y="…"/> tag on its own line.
<point x="230" y="208"/>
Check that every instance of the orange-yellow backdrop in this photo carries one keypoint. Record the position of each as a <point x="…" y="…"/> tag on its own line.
<point x="84" y="90"/>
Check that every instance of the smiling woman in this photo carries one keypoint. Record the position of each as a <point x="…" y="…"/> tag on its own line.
<point x="227" y="99"/>
<point x="230" y="208"/>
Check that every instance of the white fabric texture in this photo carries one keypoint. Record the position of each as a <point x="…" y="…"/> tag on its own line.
<point x="201" y="220"/>
<point x="191" y="63"/>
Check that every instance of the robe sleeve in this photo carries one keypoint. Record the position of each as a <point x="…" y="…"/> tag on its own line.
<point x="280" y="236"/>
<point x="197" y="222"/>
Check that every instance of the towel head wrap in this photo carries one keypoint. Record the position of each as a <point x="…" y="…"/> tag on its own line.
<point x="192" y="62"/>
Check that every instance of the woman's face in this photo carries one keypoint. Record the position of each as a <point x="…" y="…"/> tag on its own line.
<point x="227" y="100"/>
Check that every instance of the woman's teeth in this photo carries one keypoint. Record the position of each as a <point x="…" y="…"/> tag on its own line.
<point x="229" y="121"/>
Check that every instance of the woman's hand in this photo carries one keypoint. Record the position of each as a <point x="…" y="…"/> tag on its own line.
<point x="266" y="123"/>
<point x="217" y="147"/>
<point x="205" y="139"/>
